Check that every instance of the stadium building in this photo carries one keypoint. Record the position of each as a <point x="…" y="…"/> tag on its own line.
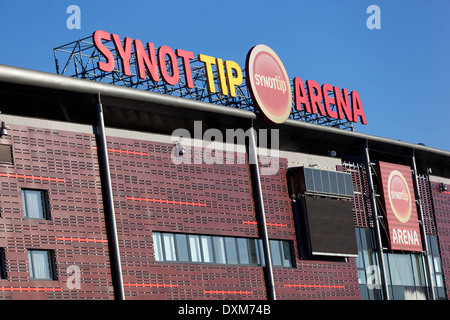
<point x="143" y="173"/>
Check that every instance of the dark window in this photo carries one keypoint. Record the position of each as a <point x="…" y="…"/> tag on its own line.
<point x="275" y="252"/>
<point x="329" y="227"/>
<point x="341" y="184"/>
<point x="348" y="184"/>
<point x="334" y="187"/>
<point x="230" y="245"/>
<point x="405" y="272"/>
<point x="253" y="251"/>
<point x="42" y="264"/>
<point x="219" y="250"/>
<point x="207" y="247"/>
<point x="325" y="182"/>
<point x="436" y="267"/>
<point x="317" y="180"/>
<point x="175" y="247"/>
<point x="285" y="254"/>
<point x="35" y="204"/>
<point x="243" y="247"/>
<point x="182" y="247"/>
<point x="2" y="264"/>
<point x="169" y="246"/>
<point x="309" y="180"/>
<point x="195" y="248"/>
<point x="6" y="155"/>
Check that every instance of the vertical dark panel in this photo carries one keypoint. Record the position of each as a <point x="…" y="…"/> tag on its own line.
<point x="330" y="226"/>
<point x="6" y="154"/>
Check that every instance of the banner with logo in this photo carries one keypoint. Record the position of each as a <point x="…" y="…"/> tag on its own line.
<point x="397" y="191"/>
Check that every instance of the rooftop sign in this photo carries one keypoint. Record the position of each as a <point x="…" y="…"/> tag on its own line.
<point x="265" y="76"/>
<point x="269" y="83"/>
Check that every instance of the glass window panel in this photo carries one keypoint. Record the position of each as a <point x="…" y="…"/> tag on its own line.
<point x="348" y="184"/>
<point x="286" y="254"/>
<point x="30" y="264"/>
<point x="333" y="182"/>
<point x="194" y="245"/>
<point x="230" y="245"/>
<point x="243" y="251"/>
<point x="398" y="292"/>
<point x="207" y="249"/>
<point x="169" y="247"/>
<point x="366" y="238"/>
<point x="317" y="181"/>
<point x="2" y="264"/>
<point x="361" y="276"/>
<point x="359" y="260"/>
<point x="157" y="246"/>
<point x="441" y="293"/>
<point x="401" y="270"/>
<point x="341" y="184"/>
<point x="364" y="292"/>
<point x="24" y="204"/>
<point x="325" y="181"/>
<point x="33" y="204"/>
<point x="434" y="244"/>
<point x="39" y="264"/>
<point x="275" y="252"/>
<point x="219" y="250"/>
<point x="388" y="273"/>
<point x="253" y="251"/>
<point x="368" y="257"/>
<point x="216" y="249"/>
<point x="182" y="247"/>
<point x="261" y="256"/>
<point x="418" y="272"/>
<point x="394" y="269"/>
<point x="437" y="264"/>
<point x="439" y="280"/>
<point x="309" y="180"/>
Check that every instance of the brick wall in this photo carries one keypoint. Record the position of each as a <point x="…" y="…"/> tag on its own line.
<point x="151" y="193"/>
<point x="64" y="164"/>
<point x="442" y="211"/>
<point x="310" y="279"/>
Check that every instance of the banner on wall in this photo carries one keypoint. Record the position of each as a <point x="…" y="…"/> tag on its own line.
<point x="399" y="201"/>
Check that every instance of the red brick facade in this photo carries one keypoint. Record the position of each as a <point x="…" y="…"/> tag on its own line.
<point x="65" y="164"/>
<point x="441" y="202"/>
<point x="151" y="193"/>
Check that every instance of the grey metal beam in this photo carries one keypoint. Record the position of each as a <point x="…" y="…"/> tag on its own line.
<point x="113" y="242"/>
<point x="373" y="203"/>
<point x="253" y="162"/>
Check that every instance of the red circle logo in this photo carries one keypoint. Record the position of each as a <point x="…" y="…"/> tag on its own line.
<point x="269" y="83"/>
<point x="399" y="196"/>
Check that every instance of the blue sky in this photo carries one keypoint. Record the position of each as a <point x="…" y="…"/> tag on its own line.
<point x="401" y="71"/>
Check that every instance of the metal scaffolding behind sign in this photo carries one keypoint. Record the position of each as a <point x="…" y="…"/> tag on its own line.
<point x="79" y="59"/>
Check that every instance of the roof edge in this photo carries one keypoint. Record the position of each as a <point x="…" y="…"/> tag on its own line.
<point x="364" y="136"/>
<point x="21" y="76"/>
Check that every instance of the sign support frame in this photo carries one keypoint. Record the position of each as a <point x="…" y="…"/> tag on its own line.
<point x="375" y="217"/>
<point x="426" y="252"/>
